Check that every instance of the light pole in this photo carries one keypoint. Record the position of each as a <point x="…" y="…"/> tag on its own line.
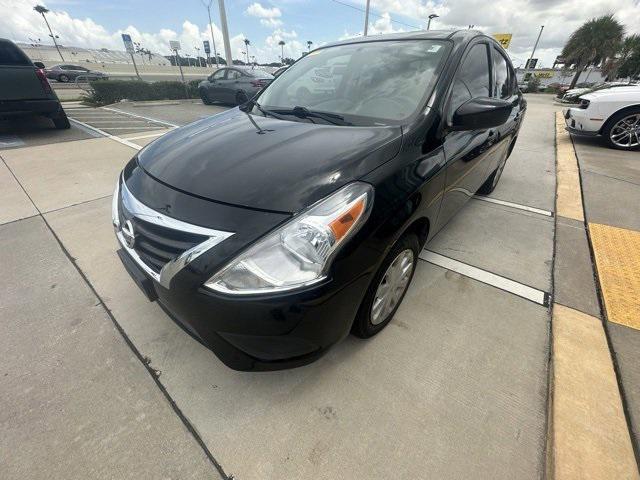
<point x="225" y="32"/>
<point x="282" y="44"/>
<point x="431" y="17"/>
<point x="198" y="55"/>
<point x="42" y="10"/>
<point x="534" y="47"/>
<point x="309" y="43"/>
<point x="366" y="18"/>
<point x="213" y="42"/>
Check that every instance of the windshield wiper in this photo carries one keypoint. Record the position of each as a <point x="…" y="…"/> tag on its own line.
<point x="304" y="112"/>
<point x="252" y="103"/>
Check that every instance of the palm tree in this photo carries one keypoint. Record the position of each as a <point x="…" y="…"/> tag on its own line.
<point x="309" y="43"/>
<point x="629" y="50"/>
<point x="282" y="44"/>
<point x="247" y="42"/>
<point x="42" y="10"/>
<point x="593" y="43"/>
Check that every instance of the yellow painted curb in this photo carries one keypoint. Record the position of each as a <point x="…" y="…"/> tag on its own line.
<point x="569" y="198"/>
<point x="590" y="439"/>
<point x="617" y="252"/>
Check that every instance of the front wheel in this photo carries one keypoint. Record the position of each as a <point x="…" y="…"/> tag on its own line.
<point x="241" y="97"/>
<point x="622" y="131"/>
<point x="388" y="288"/>
<point x="205" y="97"/>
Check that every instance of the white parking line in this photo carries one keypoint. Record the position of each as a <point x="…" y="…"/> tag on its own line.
<point x="519" y="206"/>
<point x="140" y="116"/>
<point x="136" y="122"/>
<point x="108" y="135"/>
<point x="133" y="127"/>
<point x="525" y="291"/>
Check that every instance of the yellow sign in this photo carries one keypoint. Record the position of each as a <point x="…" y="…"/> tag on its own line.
<point x="544" y="74"/>
<point x="504" y="39"/>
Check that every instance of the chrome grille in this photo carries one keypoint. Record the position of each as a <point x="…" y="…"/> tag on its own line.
<point x="162" y="245"/>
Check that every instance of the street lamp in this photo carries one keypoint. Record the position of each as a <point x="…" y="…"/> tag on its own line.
<point x="309" y="43"/>
<point x="282" y="44"/>
<point x="198" y="55"/>
<point x="431" y="17"/>
<point x="213" y="42"/>
<point x="42" y="10"/>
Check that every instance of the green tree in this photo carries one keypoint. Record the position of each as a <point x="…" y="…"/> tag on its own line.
<point x="593" y="43"/>
<point x="628" y="64"/>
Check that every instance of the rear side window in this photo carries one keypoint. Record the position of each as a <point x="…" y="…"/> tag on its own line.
<point x="502" y="87"/>
<point x="233" y="74"/>
<point x="472" y="78"/>
<point x="12" y="55"/>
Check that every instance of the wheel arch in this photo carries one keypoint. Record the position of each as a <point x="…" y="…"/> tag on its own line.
<point x="628" y="108"/>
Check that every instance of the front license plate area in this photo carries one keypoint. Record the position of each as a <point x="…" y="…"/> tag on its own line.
<point x="141" y="280"/>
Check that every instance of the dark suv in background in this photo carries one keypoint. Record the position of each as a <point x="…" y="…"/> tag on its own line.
<point x="24" y="88"/>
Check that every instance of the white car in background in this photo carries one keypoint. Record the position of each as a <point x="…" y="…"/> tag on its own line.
<point x="613" y="113"/>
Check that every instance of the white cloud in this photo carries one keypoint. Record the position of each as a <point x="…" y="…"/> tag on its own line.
<point x="257" y="10"/>
<point x="523" y="18"/>
<point x="271" y="22"/>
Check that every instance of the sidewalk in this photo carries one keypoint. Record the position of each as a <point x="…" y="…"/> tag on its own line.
<point x="590" y="435"/>
<point x="611" y="189"/>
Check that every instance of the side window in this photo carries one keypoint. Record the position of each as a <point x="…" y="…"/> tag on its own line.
<point x="218" y="74"/>
<point x="472" y="78"/>
<point x="502" y="85"/>
<point x="233" y="74"/>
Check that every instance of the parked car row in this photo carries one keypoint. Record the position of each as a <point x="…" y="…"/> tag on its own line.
<point x="613" y="113"/>
<point x="573" y="95"/>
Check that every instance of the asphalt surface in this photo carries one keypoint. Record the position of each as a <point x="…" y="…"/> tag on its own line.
<point x="455" y="387"/>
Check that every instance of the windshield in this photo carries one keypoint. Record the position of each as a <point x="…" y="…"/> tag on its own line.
<point x="383" y="82"/>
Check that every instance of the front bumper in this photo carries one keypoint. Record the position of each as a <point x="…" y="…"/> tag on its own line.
<point x="259" y="333"/>
<point x="580" y="121"/>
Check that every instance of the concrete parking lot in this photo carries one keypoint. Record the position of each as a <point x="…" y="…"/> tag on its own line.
<point x="98" y="382"/>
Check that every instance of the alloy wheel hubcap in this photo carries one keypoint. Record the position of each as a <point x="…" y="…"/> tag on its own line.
<point x="626" y="132"/>
<point x="392" y="286"/>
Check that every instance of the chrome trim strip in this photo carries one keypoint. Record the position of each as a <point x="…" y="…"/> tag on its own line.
<point x="171" y="268"/>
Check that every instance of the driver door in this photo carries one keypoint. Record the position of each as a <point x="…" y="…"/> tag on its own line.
<point x="215" y="87"/>
<point x="468" y="153"/>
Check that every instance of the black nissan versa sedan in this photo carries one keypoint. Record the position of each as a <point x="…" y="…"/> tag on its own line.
<point x="272" y="230"/>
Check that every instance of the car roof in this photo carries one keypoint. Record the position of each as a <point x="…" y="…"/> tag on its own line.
<point x="458" y="36"/>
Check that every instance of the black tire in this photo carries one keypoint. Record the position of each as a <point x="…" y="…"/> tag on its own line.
<point x="363" y="326"/>
<point x="60" y="120"/>
<point x="63" y="78"/>
<point x="492" y="182"/>
<point x="241" y="97"/>
<point x="205" y="97"/>
<point x="609" y="127"/>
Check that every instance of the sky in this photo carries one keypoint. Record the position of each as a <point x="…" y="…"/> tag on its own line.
<point x="99" y="23"/>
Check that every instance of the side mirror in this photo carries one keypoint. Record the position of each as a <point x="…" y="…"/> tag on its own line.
<point x="39" y="65"/>
<point x="480" y="114"/>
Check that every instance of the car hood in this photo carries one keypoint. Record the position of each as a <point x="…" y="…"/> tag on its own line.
<point x="266" y="163"/>
<point x="627" y="93"/>
<point x="576" y="91"/>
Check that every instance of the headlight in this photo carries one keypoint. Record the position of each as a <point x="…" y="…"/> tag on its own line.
<point x="298" y="253"/>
